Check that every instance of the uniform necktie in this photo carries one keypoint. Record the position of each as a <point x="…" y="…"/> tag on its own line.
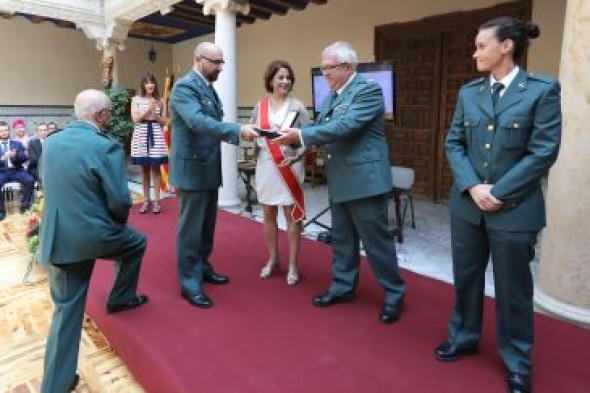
<point x="215" y="94"/>
<point x="496" y="89"/>
<point x="333" y="97"/>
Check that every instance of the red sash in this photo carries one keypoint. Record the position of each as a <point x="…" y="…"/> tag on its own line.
<point x="286" y="172"/>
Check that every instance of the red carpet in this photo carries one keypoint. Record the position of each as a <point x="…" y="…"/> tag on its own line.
<point x="266" y="337"/>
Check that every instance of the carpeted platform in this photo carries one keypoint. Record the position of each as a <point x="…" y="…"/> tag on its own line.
<point x="265" y="337"/>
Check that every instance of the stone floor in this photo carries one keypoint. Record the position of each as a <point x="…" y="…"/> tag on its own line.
<point x="25" y="314"/>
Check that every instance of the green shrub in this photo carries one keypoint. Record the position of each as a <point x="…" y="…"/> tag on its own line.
<point x="121" y="125"/>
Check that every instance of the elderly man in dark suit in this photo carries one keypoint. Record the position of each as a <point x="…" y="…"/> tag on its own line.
<point x="503" y="139"/>
<point x="84" y="218"/>
<point x="195" y="169"/>
<point x="12" y="157"/>
<point x="350" y="127"/>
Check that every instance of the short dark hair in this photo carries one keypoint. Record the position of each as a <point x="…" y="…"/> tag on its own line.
<point x="272" y="70"/>
<point x="517" y="31"/>
<point x="148" y="77"/>
<point x="3" y="124"/>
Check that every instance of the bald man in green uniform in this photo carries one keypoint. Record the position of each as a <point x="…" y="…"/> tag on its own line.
<point x="87" y="203"/>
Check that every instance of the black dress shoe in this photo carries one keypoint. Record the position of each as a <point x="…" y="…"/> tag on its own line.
<point x="137" y="301"/>
<point x="74" y="383"/>
<point x="198" y="300"/>
<point x="447" y="353"/>
<point x="390" y="313"/>
<point x="327" y="299"/>
<point x="215" y="279"/>
<point x="518" y="383"/>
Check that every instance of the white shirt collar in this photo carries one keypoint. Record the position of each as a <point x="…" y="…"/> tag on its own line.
<point x="339" y="91"/>
<point x="506" y="81"/>
<point x="202" y="77"/>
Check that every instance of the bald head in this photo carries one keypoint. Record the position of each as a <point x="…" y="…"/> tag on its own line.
<point x="93" y="106"/>
<point x="209" y="60"/>
<point x="89" y="102"/>
<point x="207" y="49"/>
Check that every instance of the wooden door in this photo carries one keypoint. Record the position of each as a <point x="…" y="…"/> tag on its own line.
<point x="432" y="59"/>
<point x="416" y="61"/>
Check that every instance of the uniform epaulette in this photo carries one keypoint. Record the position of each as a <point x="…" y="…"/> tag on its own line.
<point x="476" y="82"/>
<point x="365" y="81"/>
<point x="55" y="132"/>
<point x="540" y="77"/>
<point x="105" y="135"/>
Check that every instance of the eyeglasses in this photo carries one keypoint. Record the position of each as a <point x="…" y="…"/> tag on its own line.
<point x="327" y="68"/>
<point x="216" y="62"/>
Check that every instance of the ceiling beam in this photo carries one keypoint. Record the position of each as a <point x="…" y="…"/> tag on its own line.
<point x="279" y="10"/>
<point x="259" y="14"/>
<point x="191" y="18"/>
<point x="245" y="19"/>
<point x="288" y="4"/>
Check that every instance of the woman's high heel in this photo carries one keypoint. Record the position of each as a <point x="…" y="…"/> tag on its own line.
<point x="267" y="270"/>
<point x="292" y="276"/>
<point x="144" y="207"/>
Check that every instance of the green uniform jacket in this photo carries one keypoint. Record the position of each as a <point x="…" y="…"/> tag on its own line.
<point x="87" y="200"/>
<point x="351" y="129"/>
<point x="512" y="148"/>
<point x="197" y="129"/>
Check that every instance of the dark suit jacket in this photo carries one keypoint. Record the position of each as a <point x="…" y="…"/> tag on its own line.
<point x="18" y="159"/>
<point x="197" y="130"/>
<point x="351" y="129"/>
<point x="87" y="201"/>
<point x="511" y="148"/>
<point x="35" y="150"/>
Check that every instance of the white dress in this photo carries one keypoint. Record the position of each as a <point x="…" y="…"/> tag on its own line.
<point x="270" y="188"/>
<point x="146" y="150"/>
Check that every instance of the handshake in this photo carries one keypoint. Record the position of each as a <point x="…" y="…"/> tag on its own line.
<point x="290" y="136"/>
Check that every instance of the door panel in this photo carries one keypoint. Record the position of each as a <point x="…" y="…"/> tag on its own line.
<point x="432" y="59"/>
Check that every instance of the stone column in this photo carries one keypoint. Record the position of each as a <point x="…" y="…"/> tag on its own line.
<point x="563" y="287"/>
<point x="226" y="86"/>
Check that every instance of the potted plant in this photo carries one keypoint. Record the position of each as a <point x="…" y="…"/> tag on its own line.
<point x="121" y="125"/>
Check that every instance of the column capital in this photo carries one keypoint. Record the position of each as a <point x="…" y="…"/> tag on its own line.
<point x="109" y="36"/>
<point x="136" y="9"/>
<point x="214" y="6"/>
<point x="80" y="11"/>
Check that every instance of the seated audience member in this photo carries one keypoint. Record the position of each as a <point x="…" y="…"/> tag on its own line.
<point x="19" y="129"/>
<point x="12" y="156"/>
<point x="35" y="151"/>
<point x="20" y="132"/>
<point x="52" y="127"/>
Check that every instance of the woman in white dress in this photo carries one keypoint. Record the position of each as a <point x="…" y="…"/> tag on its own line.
<point x="148" y="147"/>
<point x="271" y="188"/>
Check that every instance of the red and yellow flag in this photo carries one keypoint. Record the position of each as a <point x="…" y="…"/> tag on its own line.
<point x="164" y="185"/>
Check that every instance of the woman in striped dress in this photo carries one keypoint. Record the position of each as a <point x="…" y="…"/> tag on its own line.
<point x="148" y="147"/>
